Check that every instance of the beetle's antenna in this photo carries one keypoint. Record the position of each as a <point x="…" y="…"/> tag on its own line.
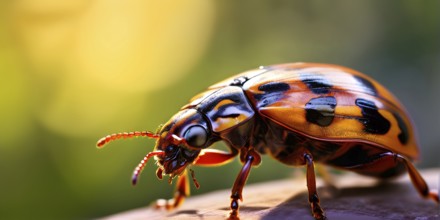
<point x="137" y="171"/>
<point x="116" y="136"/>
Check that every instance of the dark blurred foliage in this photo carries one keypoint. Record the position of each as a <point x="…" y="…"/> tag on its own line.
<point x="73" y="71"/>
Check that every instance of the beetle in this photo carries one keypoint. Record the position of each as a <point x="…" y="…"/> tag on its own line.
<point x="298" y="113"/>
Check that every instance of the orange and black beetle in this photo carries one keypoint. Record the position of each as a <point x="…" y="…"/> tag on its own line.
<point x="299" y="114"/>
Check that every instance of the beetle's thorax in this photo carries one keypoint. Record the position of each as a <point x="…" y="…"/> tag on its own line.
<point x="229" y="114"/>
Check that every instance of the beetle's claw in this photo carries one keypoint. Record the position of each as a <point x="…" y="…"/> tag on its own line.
<point x="165" y="204"/>
<point x="434" y="196"/>
<point x="320" y="217"/>
<point x="317" y="212"/>
<point x="233" y="215"/>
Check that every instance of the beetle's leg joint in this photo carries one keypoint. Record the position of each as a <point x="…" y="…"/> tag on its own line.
<point x="317" y="211"/>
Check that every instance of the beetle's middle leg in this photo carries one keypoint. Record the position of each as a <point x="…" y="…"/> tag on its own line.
<point x="250" y="158"/>
<point x="317" y="211"/>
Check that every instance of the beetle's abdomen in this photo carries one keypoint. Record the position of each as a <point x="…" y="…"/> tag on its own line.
<point x="289" y="148"/>
<point x="332" y="103"/>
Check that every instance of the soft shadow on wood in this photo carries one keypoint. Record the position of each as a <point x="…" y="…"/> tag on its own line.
<point x="248" y="208"/>
<point x="386" y="200"/>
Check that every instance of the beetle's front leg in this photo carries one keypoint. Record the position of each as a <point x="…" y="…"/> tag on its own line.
<point x="208" y="157"/>
<point x="213" y="157"/>
<point x="182" y="191"/>
<point x="317" y="211"/>
<point x="251" y="158"/>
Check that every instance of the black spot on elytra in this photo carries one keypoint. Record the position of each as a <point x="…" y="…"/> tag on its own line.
<point x="317" y="83"/>
<point x="321" y="110"/>
<point x="273" y="91"/>
<point x="404" y="133"/>
<point x="367" y="85"/>
<point x="274" y="87"/>
<point x="373" y="121"/>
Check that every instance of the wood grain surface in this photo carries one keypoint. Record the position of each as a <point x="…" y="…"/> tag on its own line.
<point x="357" y="197"/>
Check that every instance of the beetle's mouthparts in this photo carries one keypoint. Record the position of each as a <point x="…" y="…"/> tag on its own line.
<point x="159" y="172"/>
<point x="172" y="176"/>
<point x="137" y="171"/>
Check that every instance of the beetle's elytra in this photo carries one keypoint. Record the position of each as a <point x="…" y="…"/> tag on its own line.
<point x="298" y="113"/>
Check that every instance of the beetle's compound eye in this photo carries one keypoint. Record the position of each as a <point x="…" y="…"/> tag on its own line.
<point x="196" y="136"/>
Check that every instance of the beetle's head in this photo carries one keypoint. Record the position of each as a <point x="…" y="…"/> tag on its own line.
<point x="178" y="143"/>
<point x="181" y="139"/>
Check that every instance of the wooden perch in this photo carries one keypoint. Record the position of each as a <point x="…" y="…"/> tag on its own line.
<point x="357" y="197"/>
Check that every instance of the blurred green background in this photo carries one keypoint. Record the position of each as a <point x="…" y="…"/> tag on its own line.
<point x="73" y="71"/>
